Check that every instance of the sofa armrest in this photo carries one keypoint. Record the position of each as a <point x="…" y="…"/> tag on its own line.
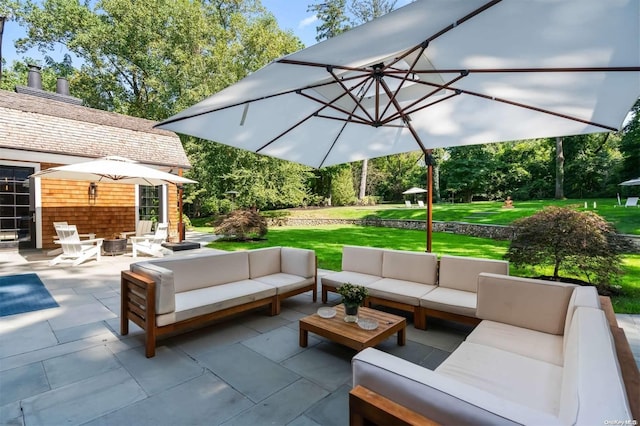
<point x="435" y="396"/>
<point x="522" y="302"/>
<point x="165" y="285"/>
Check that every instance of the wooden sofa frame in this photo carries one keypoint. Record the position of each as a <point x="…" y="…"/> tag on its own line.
<point x="138" y="304"/>
<point x="367" y="407"/>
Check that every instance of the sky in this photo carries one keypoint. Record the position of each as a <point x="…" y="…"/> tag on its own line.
<point x="291" y="15"/>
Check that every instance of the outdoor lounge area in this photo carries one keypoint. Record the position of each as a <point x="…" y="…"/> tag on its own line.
<point x="70" y="364"/>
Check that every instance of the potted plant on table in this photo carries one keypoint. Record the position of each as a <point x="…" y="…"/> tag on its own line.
<point x="352" y="297"/>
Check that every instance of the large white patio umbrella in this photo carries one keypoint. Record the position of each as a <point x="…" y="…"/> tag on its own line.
<point x="415" y="190"/>
<point x="631" y="182"/>
<point x="435" y="73"/>
<point x="112" y="169"/>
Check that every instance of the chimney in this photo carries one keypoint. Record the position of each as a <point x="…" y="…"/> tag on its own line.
<point x="62" y="86"/>
<point x="34" y="79"/>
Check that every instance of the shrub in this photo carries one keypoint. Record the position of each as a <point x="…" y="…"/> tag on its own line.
<point x="242" y="225"/>
<point x="577" y="243"/>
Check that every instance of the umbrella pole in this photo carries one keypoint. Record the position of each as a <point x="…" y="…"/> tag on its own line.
<point x="429" y="161"/>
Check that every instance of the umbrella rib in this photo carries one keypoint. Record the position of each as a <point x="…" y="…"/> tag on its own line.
<point x="331" y="105"/>
<point x="347" y="91"/>
<point x="537" y="109"/>
<point x="525" y="70"/>
<point x="406" y="113"/>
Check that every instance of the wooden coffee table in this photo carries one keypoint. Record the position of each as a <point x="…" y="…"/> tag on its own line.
<point x="350" y="334"/>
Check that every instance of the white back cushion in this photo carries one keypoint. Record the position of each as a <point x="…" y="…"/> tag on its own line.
<point x="300" y="262"/>
<point x="410" y="266"/>
<point x="461" y="273"/>
<point x="581" y="296"/>
<point x="366" y="260"/>
<point x="265" y="261"/>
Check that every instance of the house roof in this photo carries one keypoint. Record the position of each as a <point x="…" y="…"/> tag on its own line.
<point x="34" y="123"/>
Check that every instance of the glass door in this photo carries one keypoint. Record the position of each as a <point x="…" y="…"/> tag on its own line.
<point x="16" y="222"/>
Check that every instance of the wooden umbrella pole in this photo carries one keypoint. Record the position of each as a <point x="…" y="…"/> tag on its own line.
<point x="429" y="161"/>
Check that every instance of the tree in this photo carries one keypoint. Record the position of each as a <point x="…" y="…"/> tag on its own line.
<point x="576" y="243"/>
<point x="332" y="17"/>
<point x="368" y="10"/>
<point x="342" y="190"/>
<point x="243" y="225"/>
<point x="630" y="146"/>
<point x="559" y="170"/>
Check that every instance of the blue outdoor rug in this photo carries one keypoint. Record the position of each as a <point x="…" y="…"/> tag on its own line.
<point x="23" y="293"/>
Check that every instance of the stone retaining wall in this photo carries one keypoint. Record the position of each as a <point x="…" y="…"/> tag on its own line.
<point x="497" y="232"/>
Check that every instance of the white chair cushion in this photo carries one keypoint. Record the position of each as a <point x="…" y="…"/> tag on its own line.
<point x="264" y="261"/>
<point x="285" y="282"/>
<point x="530" y="343"/>
<point x="297" y="261"/>
<point x="365" y="260"/>
<point x="581" y="296"/>
<point x="202" y="301"/>
<point x="450" y="300"/>
<point x="165" y="290"/>
<point x="507" y="375"/>
<point x="399" y="291"/>
<point x="337" y="279"/>
<point x="461" y="273"/>
<point x="410" y="266"/>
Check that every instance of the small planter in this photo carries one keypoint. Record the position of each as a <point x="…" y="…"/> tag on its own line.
<point x="113" y="246"/>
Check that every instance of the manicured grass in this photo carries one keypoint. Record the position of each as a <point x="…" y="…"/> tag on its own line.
<point x="626" y="220"/>
<point x="327" y="242"/>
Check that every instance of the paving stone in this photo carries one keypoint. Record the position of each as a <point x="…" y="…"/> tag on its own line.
<point x="278" y="344"/>
<point x="303" y="421"/>
<point x="332" y="410"/>
<point x="80" y="365"/>
<point x="214" y="336"/>
<point x="326" y="364"/>
<point x="167" y="369"/>
<point x="282" y="407"/>
<point x="254" y="375"/>
<point x="11" y="414"/>
<point x="262" y="323"/>
<point x="412" y="351"/>
<point x="81" y="332"/>
<point x="83" y="401"/>
<point x="74" y="316"/>
<point x="22" y="382"/>
<point x="27" y="338"/>
<point x="205" y="400"/>
<point x="434" y="359"/>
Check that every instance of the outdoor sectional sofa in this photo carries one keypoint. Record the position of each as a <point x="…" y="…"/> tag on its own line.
<point x="544" y="353"/>
<point x="415" y="282"/>
<point x="175" y="294"/>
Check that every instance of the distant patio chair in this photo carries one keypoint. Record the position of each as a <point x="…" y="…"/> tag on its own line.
<point x="74" y="249"/>
<point x="144" y="228"/>
<point x="420" y="203"/>
<point x="151" y="244"/>
<point x="407" y="203"/>
<point x="632" y="202"/>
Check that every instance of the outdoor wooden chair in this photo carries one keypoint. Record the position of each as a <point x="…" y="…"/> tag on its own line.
<point x="151" y="244"/>
<point x="144" y="228"/>
<point x="421" y="203"/>
<point x="407" y="203"/>
<point x="58" y="250"/>
<point x="73" y="249"/>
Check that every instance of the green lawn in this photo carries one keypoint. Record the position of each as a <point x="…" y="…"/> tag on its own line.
<point x="327" y="242"/>
<point x="626" y="220"/>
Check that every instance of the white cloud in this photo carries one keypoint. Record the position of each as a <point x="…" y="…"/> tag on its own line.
<point x="307" y="21"/>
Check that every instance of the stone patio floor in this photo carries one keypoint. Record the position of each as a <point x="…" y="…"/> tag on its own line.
<point x="70" y="365"/>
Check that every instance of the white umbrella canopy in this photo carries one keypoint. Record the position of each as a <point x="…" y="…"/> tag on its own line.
<point x="631" y="182"/>
<point x="415" y="190"/>
<point x="435" y="73"/>
<point x="112" y="169"/>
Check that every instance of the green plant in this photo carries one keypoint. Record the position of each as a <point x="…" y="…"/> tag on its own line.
<point x="574" y="242"/>
<point x="242" y="225"/>
<point x="352" y="294"/>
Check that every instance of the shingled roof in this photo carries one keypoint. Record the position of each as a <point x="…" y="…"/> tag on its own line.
<point x="34" y="123"/>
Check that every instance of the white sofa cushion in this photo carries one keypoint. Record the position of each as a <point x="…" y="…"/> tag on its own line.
<point x="410" y="266"/>
<point x="436" y="396"/>
<point x="592" y="388"/>
<point x="533" y="344"/>
<point x="265" y="261"/>
<point x="581" y="296"/>
<point x="365" y="260"/>
<point x="202" y="301"/>
<point x="165" y="289"/>
<point x="407" y="292"/>
<point x="507" y="375"/>
<point x="461" y="273"/>
<point x="450" y="300"/>
<point x="337" y="279"/>
<point x="285" y="282"/>
<point x="297" y="261"/>
<point x="535" y="304"/>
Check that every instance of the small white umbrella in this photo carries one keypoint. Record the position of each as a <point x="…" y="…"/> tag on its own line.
<point x="631" y="182"/>
<point x="415" y="190"/>
<point x="112" y="169"/>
